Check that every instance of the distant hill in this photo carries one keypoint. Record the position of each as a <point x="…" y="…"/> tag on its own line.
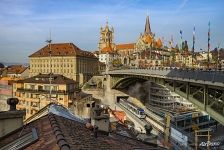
<point x="9" y="64"/>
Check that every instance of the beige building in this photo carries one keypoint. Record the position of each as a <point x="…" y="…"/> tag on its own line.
<point x="66" y="59"/>
<point x="34" y="93"/>
<point x="83" y="104"/>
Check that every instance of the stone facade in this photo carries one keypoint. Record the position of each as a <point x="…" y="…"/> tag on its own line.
<point x="106" y="37"/>
<point x="66" y="59"/>
<point x="83" y="105"/>
<point x="34" y="93"/>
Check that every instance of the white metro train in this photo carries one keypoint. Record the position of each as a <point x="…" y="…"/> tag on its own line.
<point x="137" y="111"/>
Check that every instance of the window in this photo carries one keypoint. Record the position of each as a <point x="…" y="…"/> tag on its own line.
<point x="47" y="87"/>
<point x="32" y="87"/>
<point x="54" y="88"/>
<point x="27" y="95"/>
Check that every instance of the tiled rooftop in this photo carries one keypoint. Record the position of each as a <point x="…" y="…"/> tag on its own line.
<point x="125" y="46"/>
<point x="108" y="49"/>
<point x="59" y="132"/>
<point x="15" y="69"/>
<point x="44" y="78"/>
<point x="62" y="49"/>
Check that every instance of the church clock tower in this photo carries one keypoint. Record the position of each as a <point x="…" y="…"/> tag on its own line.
<point x="106" y="37"/>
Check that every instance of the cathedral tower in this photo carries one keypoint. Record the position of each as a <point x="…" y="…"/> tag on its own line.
<point x="147" y="27"/>
<point x="106" y="37"/>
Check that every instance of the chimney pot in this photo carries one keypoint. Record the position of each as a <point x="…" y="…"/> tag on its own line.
<point x="95" y="130"/>
<point x="12" y="102"/>
<point x="98" y="110"/>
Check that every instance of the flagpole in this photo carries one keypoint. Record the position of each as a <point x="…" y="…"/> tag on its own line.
<point x="208" y="44"/>
<point x="181" y="40"/>
<point x="218" y="61"/>
<point x="181" y="47"/>
<point x="50" y="63"/>
<point x="193" y="47"/>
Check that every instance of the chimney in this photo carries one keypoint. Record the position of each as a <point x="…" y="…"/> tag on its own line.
<point x="12" y="102"/>
<point x="98" y="110"/>
<point x="95" y="130"/>
<point x="148" y="129"/>
<point x="12" y="119"/>
<point x="100" y="119"/>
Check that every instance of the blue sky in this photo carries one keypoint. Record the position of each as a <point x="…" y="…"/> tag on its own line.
<point x="25" y="24"/>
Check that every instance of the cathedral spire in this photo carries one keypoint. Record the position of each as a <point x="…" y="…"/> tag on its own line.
<point x="147" y="26"/>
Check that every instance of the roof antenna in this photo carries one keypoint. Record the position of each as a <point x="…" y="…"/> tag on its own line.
<point x="49" y="40"/>
<point x="106" y="21"/>
<point x="49" y="43"/>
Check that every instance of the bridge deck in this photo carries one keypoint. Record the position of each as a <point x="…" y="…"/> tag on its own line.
<point x="197" y="76"/>
<point x="205" y="89"/>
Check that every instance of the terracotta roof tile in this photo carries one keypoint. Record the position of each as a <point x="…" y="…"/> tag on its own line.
<point x="108" y="49"/>
<point x="56" y="132"/>
<point x="44" y="78"/>
<point x="147" y="39"/>
<point x="62" y="49"/>
<point x="16" y="69"/>
<point x="159" y="43"/>
<point x="125" y="46"/>
<point x="79" y="137"/>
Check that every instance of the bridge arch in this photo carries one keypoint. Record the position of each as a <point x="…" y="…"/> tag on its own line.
<point x="125" y="82"/>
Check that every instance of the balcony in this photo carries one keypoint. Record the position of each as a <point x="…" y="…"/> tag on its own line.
<point x="44" y="91"/>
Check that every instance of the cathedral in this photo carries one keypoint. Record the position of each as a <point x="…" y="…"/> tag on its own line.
<point x="147" y="51"/>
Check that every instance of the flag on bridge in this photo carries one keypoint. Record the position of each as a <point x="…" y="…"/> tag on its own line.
<point x="181" y="40"/>
<point x="209" y="35"/>
<point x="193" y="39"/>
<point x="208" y="44"/>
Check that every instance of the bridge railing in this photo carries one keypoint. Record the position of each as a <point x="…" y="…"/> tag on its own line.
<point x="210" y="76"/>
